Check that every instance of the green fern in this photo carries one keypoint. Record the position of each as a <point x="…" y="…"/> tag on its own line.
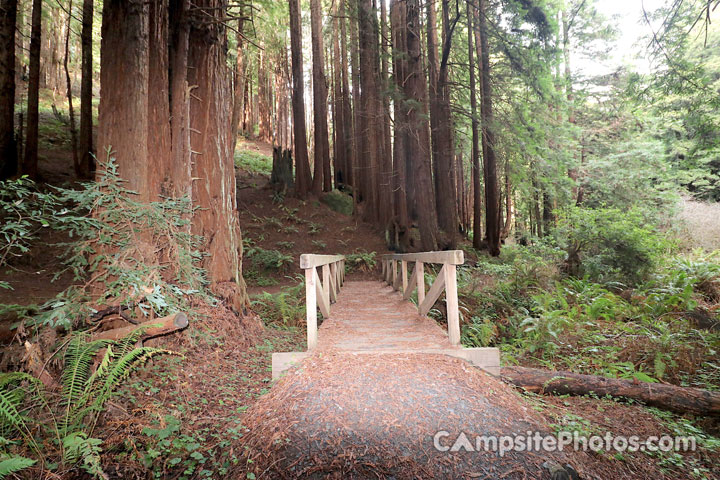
<point x="13" y="464"/>
<point x="86" y="393"/>
<point x="78" y="447"/>
<point x="11" y="395"/>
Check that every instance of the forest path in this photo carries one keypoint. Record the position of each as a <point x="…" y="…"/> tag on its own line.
<point x="378" y="396"/>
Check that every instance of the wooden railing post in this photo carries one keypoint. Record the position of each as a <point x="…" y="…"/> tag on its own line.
<point x="394" y="273"/>
<point x="403" y="269"/>
<point x="451" y="302"/>
<point x="420" y="279"/>
<point x="311" y="308"/>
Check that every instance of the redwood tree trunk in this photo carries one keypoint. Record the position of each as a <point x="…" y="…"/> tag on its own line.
<point x="399" y="40"/>
<point x="367" y="43"/>
<point x="492" y="204"/>
<point x="418" y="146"/>
<point x="8" y="148"/>
<point x="179" y="98"/>
<point x="29" y="163"/>
<point x="443" y="152"/>
<point x="160" y="158"/>
<point x="476" y="175"/>
<point x="302" y="164"/>
<point x="123" y="121"/>
<point x="85" y="137"/>
<point x="346" y="103"/>
<point x="322" y="180"/>
<point x="213" y="168"/>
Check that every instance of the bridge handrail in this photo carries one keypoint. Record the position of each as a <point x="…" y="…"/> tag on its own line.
<point x="452" y="257"/>
<point x="445" y="281"/>
<point x="320" y="293"/>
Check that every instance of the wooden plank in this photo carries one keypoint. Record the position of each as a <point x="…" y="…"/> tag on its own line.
<point x="453" y="257"/>
<point x="311" y="308"/>
<point x="412" y="284"/>
<point x="420" y="279"/>
<point x="397" y="280"/>
<point x="309" y="260"/>
<point x="403" y="268"/>
<point x="451" y="301"/>
<point x="321" y="299"/>
<point x="332" y="280"/>
<point x="326" y="283"/>
<point x="434" y="293"/>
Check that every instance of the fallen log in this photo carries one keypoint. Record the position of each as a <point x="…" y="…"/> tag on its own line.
<point x="153" y="328"/>
<point x="666" y="397"/>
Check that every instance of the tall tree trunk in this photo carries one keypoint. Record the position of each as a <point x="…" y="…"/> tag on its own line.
<point x="358" y="169"/>
<point x="181" y="171"/>
<point x="123" y="120"/>
<point x="385" y="163"/>
<point x="239" y="83"/>
<point x="339" y="147"/>
<point x="367" y="41"/>
<point x="346" y="103"/>
<point x="159" y="135"/>
<point x="71" y="110"/>
<point x="400" y="174"/>
<point x="476" y="174"/>
<point x="213" y="168"/>
<point x="322" y="180"/>
<point x="302" y="164"/>
<point x="85" y="138"/>
<point x="418" y="146"/>
<point x="492" y="204"/>
<point x="29" y="164"/>
<point x="8" y="147"/>
<point x="443" y="151"/>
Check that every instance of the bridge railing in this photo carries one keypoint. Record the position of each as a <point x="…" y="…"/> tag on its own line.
<point x="445" y="281"/>
<point x="320" y="293"/>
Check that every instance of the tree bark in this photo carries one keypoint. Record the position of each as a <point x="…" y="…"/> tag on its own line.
<point x="29" y="164"/>
<point x="443" y="154"/>
<point x="476" y="174"/>
<point x="8" y="147"/>
<point x="180" y="172"/>
<point x="322" y="181"/>
<point x="213" y="168"/>
<point x="85" y="138"/>
<point x="302" y="164"/>
<point x="159" y="134"/>
<point x="367" y="43"/>
<point x="492" y="205"/>
<point x="399" y="41"/>
<point x="123" y="119"/>
<point x="418" y="146"/>
<point x="339" y="135"/>
<point x="667" y="397"/>
<point x="347" y="109"/>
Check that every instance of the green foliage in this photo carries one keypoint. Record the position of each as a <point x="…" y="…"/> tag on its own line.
<point x="285" y="308"/>
<point x="12" y="464"/>
<point x="253" y="161"/>
<point x="83" y="397"/>
<point x="269" y="260"/>
<point x="339" y="202"/>
<point x="24" y="212"/>
<point x="361" y="261"/>
<point x="608" y="244"/>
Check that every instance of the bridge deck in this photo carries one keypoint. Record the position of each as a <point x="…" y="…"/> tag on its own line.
<point x="371" y="316"/>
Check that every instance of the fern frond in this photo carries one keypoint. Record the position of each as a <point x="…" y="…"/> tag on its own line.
<point x="14" y="464"/>
<point x="79" y="357"/>
<point x="78" y="447"/>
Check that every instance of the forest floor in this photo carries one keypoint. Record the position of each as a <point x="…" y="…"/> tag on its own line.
<point x="187" y="417"/>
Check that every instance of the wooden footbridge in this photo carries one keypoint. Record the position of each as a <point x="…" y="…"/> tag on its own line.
<point x="377" y="317"/>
